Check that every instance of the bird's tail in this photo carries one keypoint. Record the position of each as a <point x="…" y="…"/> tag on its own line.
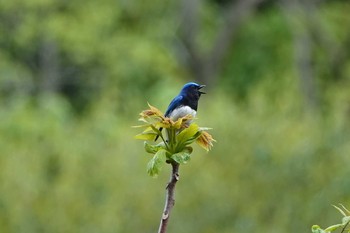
<point x="160" y="129"/>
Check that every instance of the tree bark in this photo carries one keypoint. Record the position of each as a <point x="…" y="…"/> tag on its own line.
<point x="205" y="67"/>
<point x="170" y="198"/>
<point x="236" y="14"/>
<point x="49" y="66"/>
<point x="299" y="14"/>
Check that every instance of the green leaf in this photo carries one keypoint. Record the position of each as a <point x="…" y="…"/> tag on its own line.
<point x="141" y="126"/>
<point x="143" y="120"/>
<point x="148" y="130"/>
<point x="344" y="208"/>
<point x="181" y="157"/>
<point x="193" y="138"/>
<point x="188" y="149"/>
<point x="204" y="128"/>
<point x="187" y="133"/>
<point x="155" y="129"/>
<point x="146" y="136"/>
<point x="340" y="210"/>
<point x="155" y="164"/>
<point x="317" y="229"/>
<point x="153" y="148"/>
<point x="345" y="220"/>
<point x="333" y="227"/>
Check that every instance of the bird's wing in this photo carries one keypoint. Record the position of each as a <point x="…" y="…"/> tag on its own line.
<point x="176" y="102"/>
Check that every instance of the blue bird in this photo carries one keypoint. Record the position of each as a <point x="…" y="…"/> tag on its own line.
<point x="185" y="103"/>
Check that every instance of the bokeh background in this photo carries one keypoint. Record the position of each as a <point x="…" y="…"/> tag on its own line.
<point x="75" y="74"/>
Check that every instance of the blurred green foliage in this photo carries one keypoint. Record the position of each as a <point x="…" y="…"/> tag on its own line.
<point x="75" y="74"/>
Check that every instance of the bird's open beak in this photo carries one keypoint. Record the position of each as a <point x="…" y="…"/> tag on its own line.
<point x="200" y="87"/>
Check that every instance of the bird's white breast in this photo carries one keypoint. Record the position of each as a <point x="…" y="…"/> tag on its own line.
<point x="181" y="112"/>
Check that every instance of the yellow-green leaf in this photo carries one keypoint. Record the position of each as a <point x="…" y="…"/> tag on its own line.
<point x="340" y="210"/>
<point x="178" y="123"/>
<point x="146" y="136"/>
<point x="141" y="126"/>
<point x="346" y="220"/>
<point x="344" y="208"/>
<point x="153" y="148"/>
<point x="187" y="133"/>
<point x="188" y="149"/>
<point x="317" y="229"/>
<point x="333" y="227"/>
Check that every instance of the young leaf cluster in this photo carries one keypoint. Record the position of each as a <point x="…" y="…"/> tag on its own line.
<point x="175" y="145"/>
<point x="342" y="227"/>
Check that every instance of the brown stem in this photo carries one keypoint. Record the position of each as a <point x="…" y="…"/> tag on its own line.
<point x="170" y="199"/>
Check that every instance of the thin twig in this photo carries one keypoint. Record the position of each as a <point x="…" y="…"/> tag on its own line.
<point x="170" y="199"/>
<point x="345" y="227"/>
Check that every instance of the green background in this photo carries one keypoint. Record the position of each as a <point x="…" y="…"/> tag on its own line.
<point x="74" y="76"/>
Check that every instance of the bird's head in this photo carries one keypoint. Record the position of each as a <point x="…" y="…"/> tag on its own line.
<point x="192" y="90"/>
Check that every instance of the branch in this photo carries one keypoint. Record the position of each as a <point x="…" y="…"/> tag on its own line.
<point x="170" y="200"/>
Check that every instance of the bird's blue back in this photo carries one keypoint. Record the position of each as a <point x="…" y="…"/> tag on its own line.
<point x="188" y="96"/>
<point x="175" y="103"/>
<point x="186" y="102"/>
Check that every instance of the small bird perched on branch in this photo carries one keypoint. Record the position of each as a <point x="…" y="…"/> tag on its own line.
<point x="185" y="103"/>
